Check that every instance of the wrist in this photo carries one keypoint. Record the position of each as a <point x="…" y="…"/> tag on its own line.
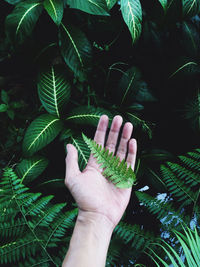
<point x="95" y="219"/>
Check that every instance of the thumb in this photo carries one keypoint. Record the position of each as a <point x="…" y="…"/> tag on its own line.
<point x="72" y="168"/>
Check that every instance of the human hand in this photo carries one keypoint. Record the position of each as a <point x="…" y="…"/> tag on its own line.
<point x="94" y="194"/>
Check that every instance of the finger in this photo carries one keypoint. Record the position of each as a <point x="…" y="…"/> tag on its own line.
<point x="99" y="138"/>
<point x="132" y="150"/>
<point x="126" y="134"/>
<point x="113" y="134"/>
<point x="72" y="168"/>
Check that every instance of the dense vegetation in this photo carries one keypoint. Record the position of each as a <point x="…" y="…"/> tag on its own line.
<point x="62" y="65"/>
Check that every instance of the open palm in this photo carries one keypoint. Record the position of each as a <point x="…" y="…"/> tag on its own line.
<point x="91" y="190"/>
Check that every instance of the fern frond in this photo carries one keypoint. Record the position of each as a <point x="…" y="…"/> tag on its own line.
<point x="115" y="171"/>
<point x="12" y="228"/>
<point x="189" y="176"/>
<point x="59" y="227"/>
<point x="176" y="186"/>
<point x="48" y="216"/>
<point x="191" y="163"/>
<point x="163" y="210"/>
<point x="29" y="224"/>
<point x="133" y="233"/>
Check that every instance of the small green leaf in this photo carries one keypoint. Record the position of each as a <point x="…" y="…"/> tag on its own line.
<point x="114" y="170"/>
<point x="13" y="2"/>
<point x="95" y="7"/>
<point x="29" y="169"/>
<point x="11" y="114"/>
<point x="20" y="23"/>
<point x="53" y="90"/>
<point x="111" y="3"/>
<point x="76" y="50"/>
<point x="163" y="4"/>
<point x="40" y="133"/>
<point x="4" y="96"/>
<point x="3" y="107"/>
<point x="54" y="9"/>
<point x="132" y="15"/>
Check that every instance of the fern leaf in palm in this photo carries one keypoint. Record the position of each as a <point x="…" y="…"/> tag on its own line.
<point x="115" y="171"/>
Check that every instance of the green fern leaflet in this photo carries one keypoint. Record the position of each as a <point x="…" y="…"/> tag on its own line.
<point x="115" y="171"/>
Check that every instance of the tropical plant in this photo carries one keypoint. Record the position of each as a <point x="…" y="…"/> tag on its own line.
<point x="64" y="64"/>
<point x="189" y="253"/>
<point x="29" y="225"/>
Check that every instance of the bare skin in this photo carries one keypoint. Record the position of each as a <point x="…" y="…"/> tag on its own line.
<point x="101" y="204"/>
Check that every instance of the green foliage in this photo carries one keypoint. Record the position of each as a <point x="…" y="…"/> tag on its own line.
<point x="83" y="150"/>
<point x="190" y="7"/>
<point x="53" y="90"/>
<point x="190" y="244"/>
<point x="20" y="23"/>
<point x="115" y="171"/>
<point x="87" y="115"/>
<point x="54" y="9"/>
<point x="132" y="14"/>
<point x="28" y="169"/>
<point x="133" y="234"/>
<point x="98" y="7"/>
<point x="9" y="106"/>
<point x="40" y="133"/>
<point x="89" y="65"/>
<point x="75" y="49"/>
<point x="29" y="223"/>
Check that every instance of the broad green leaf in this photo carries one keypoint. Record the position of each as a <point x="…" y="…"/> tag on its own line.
<point x="83" y="150"/>
<point x="129" y="85"/>
<point x="95" y="7"/>
<point x="3" y="107"/>
<point x="190" y="7"/>
<point x="133" y="88"/>
<point x="54" y="9"/>
<point x="28" y="169"/>
<point x="75" y="49"/>
<point x="20" y="23"/>
<point x="132" y="15"/>
<point x="40" y="133"/>
<point x="111" y="3"/>
<point x="164" y="4"/>
<point x="190" y="35"/>
<point x="87" y="115"/>
<point x="13" y="2"/>
<point x="53" y="90"/>
<point x="11" y="114"/>
<point x="4" y="96"/>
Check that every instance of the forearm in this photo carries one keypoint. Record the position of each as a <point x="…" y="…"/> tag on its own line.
<point x="90" y="241"/>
